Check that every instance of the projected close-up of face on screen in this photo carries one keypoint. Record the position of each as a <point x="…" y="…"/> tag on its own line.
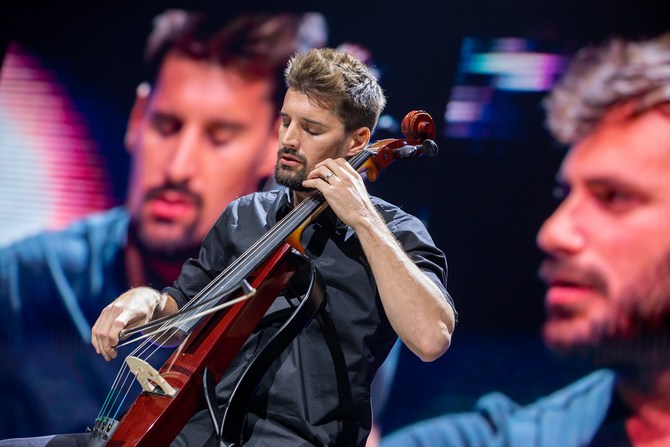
<point x="515" y="294"/>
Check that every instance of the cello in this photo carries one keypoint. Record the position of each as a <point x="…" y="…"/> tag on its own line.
<point x="215" y="323"/>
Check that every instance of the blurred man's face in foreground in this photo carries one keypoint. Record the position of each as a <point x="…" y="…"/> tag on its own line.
<point x="608" y="243"/>
<point x="204" y="136"/>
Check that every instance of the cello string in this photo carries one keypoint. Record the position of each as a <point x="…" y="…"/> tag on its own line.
<point x="273" y="238"/>
<point x="172" y="326"/>
<point x="115" y="390"/>
<point x="122" y="378"/>
<point x="171" y="320"/>
<point x="152" y="347"/>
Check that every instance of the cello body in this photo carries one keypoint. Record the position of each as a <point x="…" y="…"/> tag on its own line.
<point x="155" y="420"/>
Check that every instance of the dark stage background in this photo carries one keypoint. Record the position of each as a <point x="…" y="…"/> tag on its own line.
<point x="483" y="198"/>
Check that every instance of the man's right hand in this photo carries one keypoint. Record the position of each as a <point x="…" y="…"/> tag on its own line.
<point x="134" y="307"/>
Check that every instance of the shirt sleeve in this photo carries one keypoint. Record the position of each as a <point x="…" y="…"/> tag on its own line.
<point x="456" y="430"/>
<point x="571" y="416"/>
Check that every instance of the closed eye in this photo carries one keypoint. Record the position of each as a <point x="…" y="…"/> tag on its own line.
<point x="615" y="198"/>
<point x="221" y="133"/>
<point x="166" y="124"/>
<point x="311" y="131"/>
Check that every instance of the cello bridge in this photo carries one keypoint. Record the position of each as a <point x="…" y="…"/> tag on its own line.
<point x="150" y="380"/>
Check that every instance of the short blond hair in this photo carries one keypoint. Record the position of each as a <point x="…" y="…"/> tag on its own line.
<point x="340" y="81"/>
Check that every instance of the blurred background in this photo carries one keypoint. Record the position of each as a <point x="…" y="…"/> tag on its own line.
<point x="480" y="68"/>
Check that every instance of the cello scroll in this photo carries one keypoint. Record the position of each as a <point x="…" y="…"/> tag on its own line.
<point x="419" y="130"/>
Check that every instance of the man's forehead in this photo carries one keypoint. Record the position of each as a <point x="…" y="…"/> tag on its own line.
<point x="306" y="108"/>
<point x="181" y="69"/>
<point x="624" y="168"/>
<point x="195" y="92"/>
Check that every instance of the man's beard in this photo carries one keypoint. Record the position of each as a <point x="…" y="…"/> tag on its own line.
<point x="630" y="334"/>
<point x="182" y="244"/>
<point x="176" y="249"/>
<point x="291" y="178"/>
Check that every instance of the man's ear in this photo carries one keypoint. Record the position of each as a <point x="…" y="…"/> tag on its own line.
<point x="359" y="141"/>
<point x="136" y="115"/>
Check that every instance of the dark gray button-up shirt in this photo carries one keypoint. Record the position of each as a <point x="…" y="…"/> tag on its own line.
<point x="318" y="391"/>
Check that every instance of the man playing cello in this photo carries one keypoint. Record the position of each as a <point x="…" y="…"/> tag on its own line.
<point x="383" y="275"/>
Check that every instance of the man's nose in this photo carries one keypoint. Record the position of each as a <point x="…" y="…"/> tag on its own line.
<point x="184" y="162"/>
<point x="561" y="232"/>
<point x="288" y="136"/>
